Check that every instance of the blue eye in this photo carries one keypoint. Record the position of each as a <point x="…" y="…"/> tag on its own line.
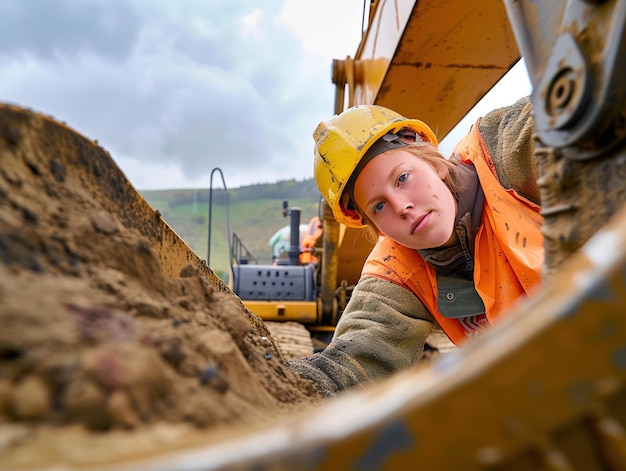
<point x="378" y="207"/>
<point x="404" y="177"/>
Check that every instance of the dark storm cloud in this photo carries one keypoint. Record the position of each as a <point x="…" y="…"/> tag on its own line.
<point x="197" y="84"/>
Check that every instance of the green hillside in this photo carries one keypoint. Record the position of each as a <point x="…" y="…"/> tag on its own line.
<point x="255" y="213"/>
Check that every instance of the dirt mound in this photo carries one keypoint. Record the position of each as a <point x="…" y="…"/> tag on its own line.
<point x="112" y="331"/>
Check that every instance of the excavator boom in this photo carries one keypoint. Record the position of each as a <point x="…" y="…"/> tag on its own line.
<point x="434" y="60"/>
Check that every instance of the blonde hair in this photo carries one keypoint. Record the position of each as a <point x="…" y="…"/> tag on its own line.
<point x="431" y="155"/>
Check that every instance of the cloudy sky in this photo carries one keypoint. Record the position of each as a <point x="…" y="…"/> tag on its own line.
<point x="173" y="89"/>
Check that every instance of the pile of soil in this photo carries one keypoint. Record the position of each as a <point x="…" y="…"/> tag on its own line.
<point x="116" y="340"/>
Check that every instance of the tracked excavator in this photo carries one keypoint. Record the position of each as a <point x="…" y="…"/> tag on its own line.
<point x="545" y="388"/>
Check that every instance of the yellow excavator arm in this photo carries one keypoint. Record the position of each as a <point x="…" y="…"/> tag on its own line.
<point x="432" y="60"/>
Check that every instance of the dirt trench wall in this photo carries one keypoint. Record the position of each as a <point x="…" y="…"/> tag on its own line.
<point x="110" y="324"/>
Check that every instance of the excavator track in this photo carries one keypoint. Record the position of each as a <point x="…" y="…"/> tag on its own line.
<point x="293" y="339"/>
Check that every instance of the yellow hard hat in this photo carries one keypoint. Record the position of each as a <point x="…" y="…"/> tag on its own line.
<point x="342" y="142"/>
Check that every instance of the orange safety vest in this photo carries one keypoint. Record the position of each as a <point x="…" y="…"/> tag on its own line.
<point x="508" y="249"/>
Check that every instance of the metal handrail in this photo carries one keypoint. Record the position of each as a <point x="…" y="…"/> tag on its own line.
<point x="239" y="249"/>
<point x="230" y="252"/>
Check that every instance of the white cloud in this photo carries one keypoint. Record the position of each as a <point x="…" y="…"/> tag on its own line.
<point x="325" y="26"/>
<point x="251" y="24"/>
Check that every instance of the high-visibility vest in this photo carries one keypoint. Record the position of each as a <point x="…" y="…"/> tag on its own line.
<point x="508" y="249"/>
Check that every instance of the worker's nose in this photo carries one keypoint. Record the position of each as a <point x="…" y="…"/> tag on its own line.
<point x="402" y="207"/>
<point x="407" y="207"/>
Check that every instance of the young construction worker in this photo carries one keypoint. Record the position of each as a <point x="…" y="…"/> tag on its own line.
<point x="458" y="240"/>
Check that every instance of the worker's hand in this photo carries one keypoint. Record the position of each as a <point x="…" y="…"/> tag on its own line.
<point x="304" y="368"/>
<point x="331" y="370"/>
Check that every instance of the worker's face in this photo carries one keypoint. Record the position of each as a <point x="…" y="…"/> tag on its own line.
<point x="407" y="199"/>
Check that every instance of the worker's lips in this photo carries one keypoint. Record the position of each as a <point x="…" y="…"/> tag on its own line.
<point x="420" y="223"/>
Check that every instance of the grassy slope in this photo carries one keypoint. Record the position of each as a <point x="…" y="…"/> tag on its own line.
<point x="254" y="222"/>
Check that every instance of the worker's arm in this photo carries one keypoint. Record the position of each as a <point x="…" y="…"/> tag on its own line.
<point x="509" y="134"/>
<point x="382" y="330"/>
